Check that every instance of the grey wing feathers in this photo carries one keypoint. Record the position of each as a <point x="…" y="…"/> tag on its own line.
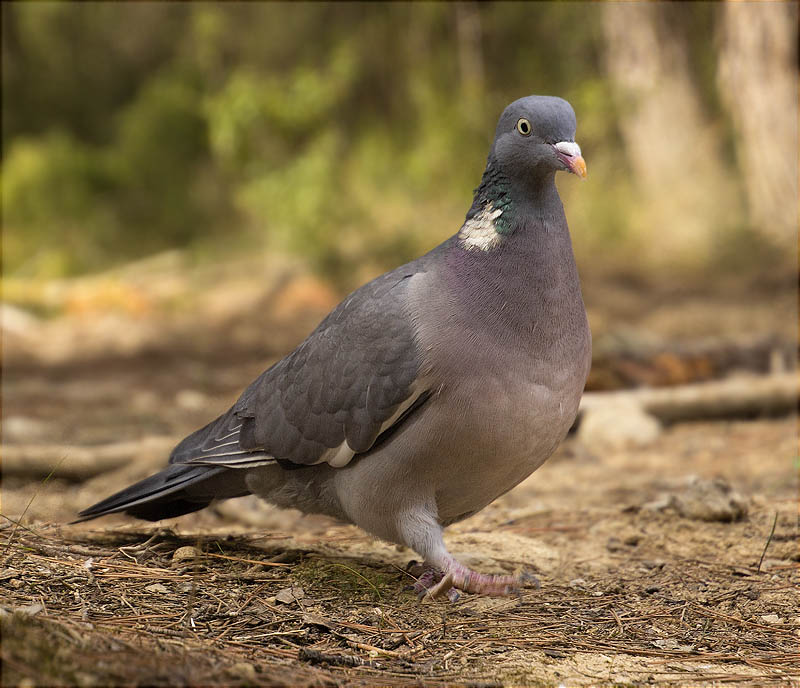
<point x="219" y="443"/>
<point x="175" y="491"/>
<point x="331" y="398"/>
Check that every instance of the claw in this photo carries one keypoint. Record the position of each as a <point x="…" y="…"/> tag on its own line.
<point x="426" y="580"/>
<point x="528" y="578"/>
<point x="432" y="584"/>
<point x="443" y="587"/>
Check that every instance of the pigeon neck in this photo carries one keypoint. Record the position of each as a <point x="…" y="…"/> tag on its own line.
<point x="495" y="191"/>
<point x="500" y="207"/>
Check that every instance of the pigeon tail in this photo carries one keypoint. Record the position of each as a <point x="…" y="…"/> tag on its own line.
<point x="178" y="489"/>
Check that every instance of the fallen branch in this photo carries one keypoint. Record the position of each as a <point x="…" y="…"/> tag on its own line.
<point x="732" y="397"/>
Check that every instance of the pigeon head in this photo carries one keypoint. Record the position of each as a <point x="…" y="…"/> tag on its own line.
<point x="535" y="137"/>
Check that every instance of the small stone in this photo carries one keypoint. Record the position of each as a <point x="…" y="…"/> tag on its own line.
<point x="666" y="643"/>
<point x="660" y="504"/>
<point x="771" y="619"/>
<point x="671" y="644"/>
<point x="185" y="553"/>
<point x="710" y="500"/>
<point x="769" y="564"/>
<point x="318" y="621"/>
<point x="616" y="424"/>
<point x="289" y="595"/>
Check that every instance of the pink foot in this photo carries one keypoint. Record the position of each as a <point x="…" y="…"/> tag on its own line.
<point x="460" y="577"/>
<point x="428" y="580"/>
<point x="434" y="583"/>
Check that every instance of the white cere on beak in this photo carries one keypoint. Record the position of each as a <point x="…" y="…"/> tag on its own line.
<point x="568" y="148"/>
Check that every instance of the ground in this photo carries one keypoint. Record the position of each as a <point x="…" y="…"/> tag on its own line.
<point x="632" y="589"/>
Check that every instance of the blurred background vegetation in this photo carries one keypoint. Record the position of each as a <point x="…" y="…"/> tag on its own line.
<point x="352" y="134"/>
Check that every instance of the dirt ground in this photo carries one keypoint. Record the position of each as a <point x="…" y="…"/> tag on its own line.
<point x="634" y="588"/>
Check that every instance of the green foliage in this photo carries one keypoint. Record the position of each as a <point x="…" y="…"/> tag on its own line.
<point x="161" y="143"/>
<point x="344" y="132"/>
<point x="51" y="188"/>
<point x="70" y="206"/>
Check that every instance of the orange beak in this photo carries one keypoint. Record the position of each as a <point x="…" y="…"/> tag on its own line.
<point x="570" y="154"/>
<point x="578" y="166"/>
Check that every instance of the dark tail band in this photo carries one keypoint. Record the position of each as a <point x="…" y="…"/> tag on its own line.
<point x="178" y="489"/>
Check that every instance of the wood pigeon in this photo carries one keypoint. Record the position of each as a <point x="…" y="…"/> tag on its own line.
<point x="428" y="392"/>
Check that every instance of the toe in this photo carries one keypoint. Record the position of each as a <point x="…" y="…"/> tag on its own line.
<point x="528" y="580"/>
<point x="453" y="595"/>
<point x="442" y="588"/>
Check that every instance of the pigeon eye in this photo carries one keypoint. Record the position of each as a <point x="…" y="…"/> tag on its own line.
<point x="524" y="127"/>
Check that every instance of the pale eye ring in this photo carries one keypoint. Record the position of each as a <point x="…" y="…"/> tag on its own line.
<point x="524" y="126"/>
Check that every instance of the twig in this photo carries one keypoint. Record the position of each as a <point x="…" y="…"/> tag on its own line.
<point x="729" y="398"/>
<point x="28" y="506"/>
<point x="142" y="546"/>
<point x="247" y="561"/>
<point x="619" y="623"/>
<point x="306" y="654"/>
<point x="366" y="646"/>
<point x="769" y="539"/>
<point x="366" y="580"/>
<point x="252" y="595"/>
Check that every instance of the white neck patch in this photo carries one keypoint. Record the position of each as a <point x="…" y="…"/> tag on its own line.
<point x="480" y="232"/>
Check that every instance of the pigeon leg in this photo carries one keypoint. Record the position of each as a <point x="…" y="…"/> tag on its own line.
<point x="424" y="535"/>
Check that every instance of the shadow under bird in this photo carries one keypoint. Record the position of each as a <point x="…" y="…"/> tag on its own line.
<point x="428" y="392"/>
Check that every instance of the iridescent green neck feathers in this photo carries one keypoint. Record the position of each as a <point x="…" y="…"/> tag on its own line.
<point x="490" y="218"/>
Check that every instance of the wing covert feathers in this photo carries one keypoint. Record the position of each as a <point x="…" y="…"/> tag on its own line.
<point x="348" y="382"/>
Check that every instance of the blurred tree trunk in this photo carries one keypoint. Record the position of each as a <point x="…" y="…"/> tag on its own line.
<point x="758" y="83"/>
<point x="470" y="59"/>
<point x="672" y="148"/>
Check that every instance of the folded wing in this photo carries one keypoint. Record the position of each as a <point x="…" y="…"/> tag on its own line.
<point x="351" y="380"/>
